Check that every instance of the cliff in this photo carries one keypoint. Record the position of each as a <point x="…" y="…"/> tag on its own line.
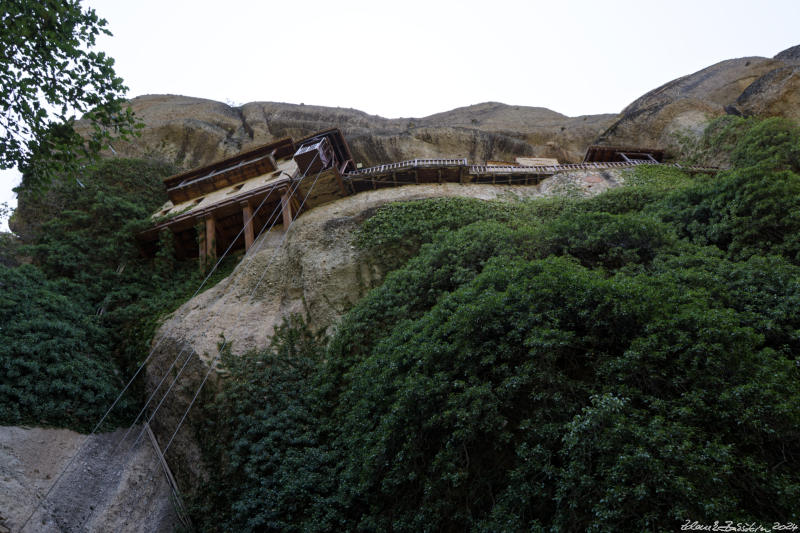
<point x="314" y="270"/>
<point x="317" y="271"/>
<point x="749" y="86"/>
<point x="190" y="132"/>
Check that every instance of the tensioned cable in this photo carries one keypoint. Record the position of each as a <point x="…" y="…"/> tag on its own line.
<point x="213" y="362"/>
<point x="187" y="343"/>
<point x="144" y="363"/>
<point x="274" y="218"/>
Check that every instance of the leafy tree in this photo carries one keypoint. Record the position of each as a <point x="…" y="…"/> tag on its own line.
<point x="754" y="208"/>
<point x="49" y="73"/>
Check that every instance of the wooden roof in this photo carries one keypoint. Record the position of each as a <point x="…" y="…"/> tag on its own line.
<point x="612" y="154"/>
<point x="241" y="167"/>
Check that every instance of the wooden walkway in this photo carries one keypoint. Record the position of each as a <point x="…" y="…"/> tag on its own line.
<point x="421" y="171"/>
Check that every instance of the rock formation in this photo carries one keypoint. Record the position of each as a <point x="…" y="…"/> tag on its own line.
<point x="746" y="86"/>
<point x="191" y="131"/>
<point x="103" y="488"/>
<point x="317" y="271"/>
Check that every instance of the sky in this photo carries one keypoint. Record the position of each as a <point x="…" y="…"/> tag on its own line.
<point x="418" y="57"/>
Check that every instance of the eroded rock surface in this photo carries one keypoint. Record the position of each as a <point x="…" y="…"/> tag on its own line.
<point x="755" y="86"/>
<point x="192" y="131"/>
<point x="100" y="491"/>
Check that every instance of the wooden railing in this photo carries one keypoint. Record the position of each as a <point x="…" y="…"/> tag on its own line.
<point x="412" y="164"/>
<point x="409" y="165"/>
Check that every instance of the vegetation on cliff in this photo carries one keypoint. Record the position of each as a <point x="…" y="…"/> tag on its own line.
<point x="621" y="363"/>
<point x="78" y="319"/>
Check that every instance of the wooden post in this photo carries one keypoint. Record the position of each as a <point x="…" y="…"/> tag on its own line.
<point x="247" y="217"/>
<point x="286" y="209"/>
<point x="201" y="245"/>
<point x="211" y="239"/>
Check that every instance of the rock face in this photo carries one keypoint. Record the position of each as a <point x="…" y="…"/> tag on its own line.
<point x="99" y="491"/>
<point x="776" y="93"/>
<point x="745" y="86"/>
<point x="316" y="270"/>
<point x="192" y="132"/>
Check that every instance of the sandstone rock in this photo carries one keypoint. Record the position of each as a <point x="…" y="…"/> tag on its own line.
<point x="790" y="55"/>
<point x="315" y="269"/>
<point x="192" y="131"/>
<point x="775" y="94"/>
<point x="663" y="126"/>
<point x="97" y="492"/>
<point x="686" y="104"/>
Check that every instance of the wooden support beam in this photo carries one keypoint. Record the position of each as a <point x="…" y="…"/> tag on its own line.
<point x="339" y="173"/>
<point x="247" y="220"/>
<point x="201" y="244"/>
<point x="211" y="239"/>
<point x="286" y="209"/>
<point x="272" y="163"/>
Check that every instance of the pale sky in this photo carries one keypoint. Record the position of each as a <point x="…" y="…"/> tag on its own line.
<point x="415" y="58"/>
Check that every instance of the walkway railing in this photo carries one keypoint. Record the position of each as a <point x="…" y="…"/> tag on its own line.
<point x="413" y="164"/>
<point x="409" y="165"/>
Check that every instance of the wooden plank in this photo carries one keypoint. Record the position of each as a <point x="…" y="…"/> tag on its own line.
<point x="201" y="244"/>
<point x="211" y="239"/>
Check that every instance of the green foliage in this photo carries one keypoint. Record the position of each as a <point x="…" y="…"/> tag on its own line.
<point x="80" y="235"/>
<point x="621" y="363"/>
<point x="753" y="208"/>
<point x="260" y="442"/>
<point x="88" y="237"/>
<point x="405" y="226"/>
<point x="54" y="367"/>
<point x="49" y="73"/>
<point x="770" y="145"/>
<point x="9" y="249"/>
<point x="716" y="143"/>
